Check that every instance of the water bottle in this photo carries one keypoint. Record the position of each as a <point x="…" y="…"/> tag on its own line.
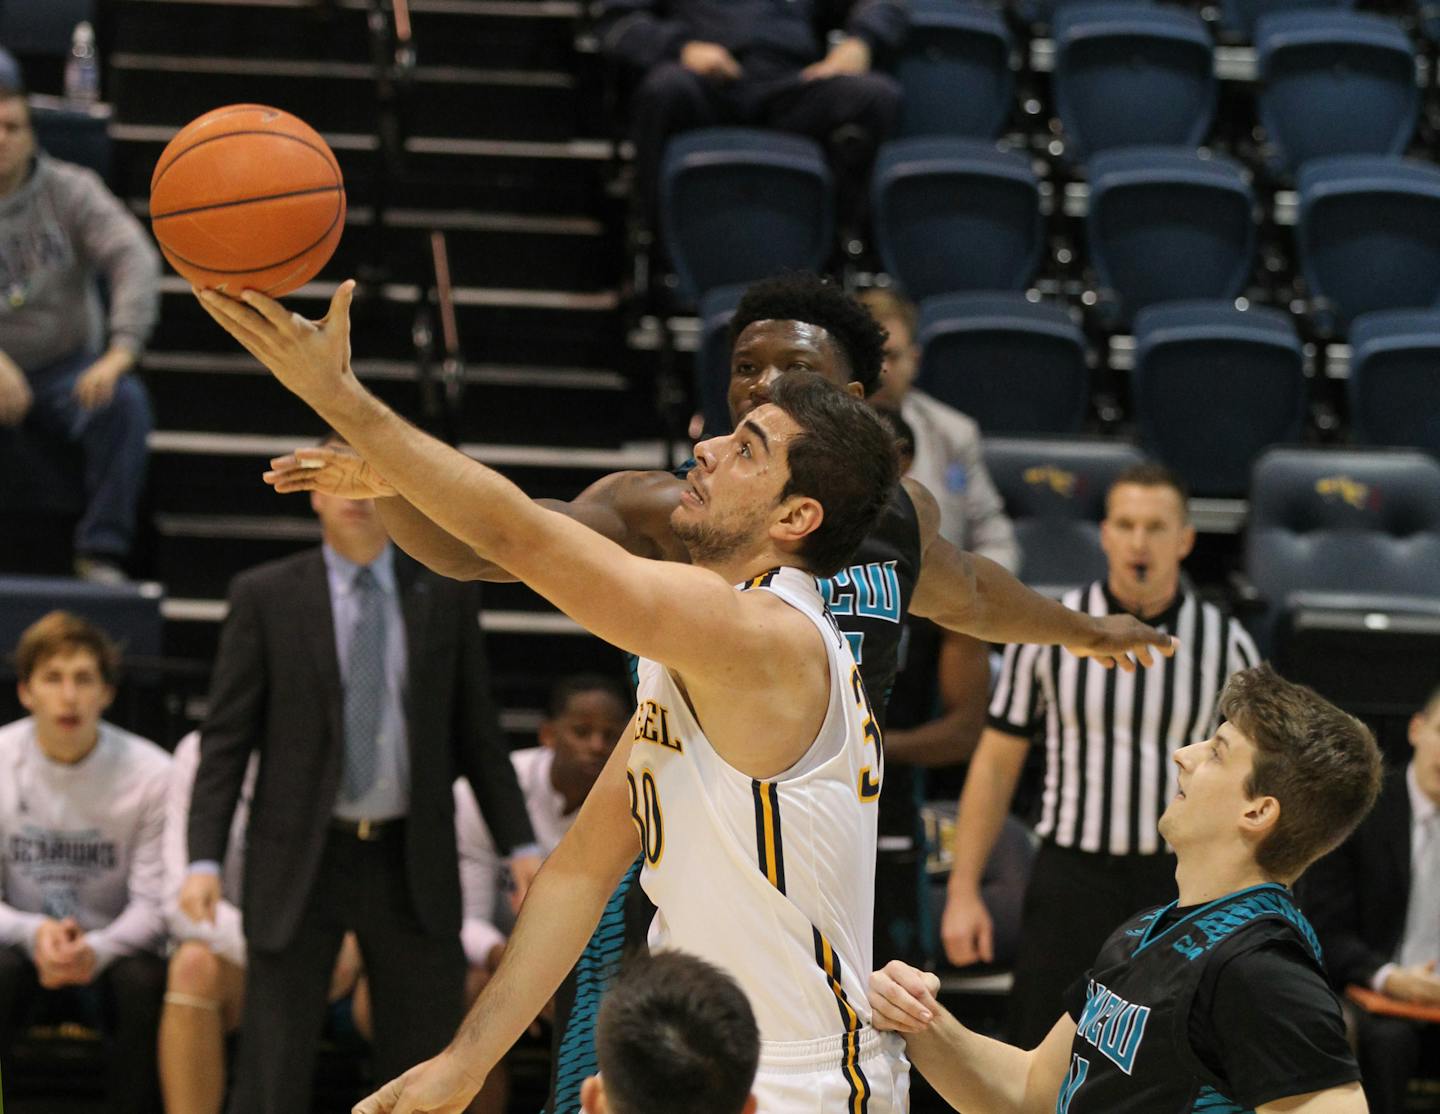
<point x="82" y="68"/>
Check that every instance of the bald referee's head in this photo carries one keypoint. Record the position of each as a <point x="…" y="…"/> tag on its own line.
<point x="675" y="1036"/>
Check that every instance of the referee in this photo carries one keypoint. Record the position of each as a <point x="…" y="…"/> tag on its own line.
<point x="1108" y="737"/>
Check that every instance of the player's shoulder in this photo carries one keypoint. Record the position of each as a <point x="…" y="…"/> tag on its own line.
<point x="636" y="489"/>
<point x="922" y="503"/>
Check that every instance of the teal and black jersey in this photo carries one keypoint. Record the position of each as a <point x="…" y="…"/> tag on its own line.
<point x="1217" y="1008"/>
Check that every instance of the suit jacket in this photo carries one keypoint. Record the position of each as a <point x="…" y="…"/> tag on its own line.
<point x="1356" y="897"/>
<point x="276" y="689"/>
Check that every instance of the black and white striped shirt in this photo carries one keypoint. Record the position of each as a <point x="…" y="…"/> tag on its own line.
<point x="1109" y="734"/>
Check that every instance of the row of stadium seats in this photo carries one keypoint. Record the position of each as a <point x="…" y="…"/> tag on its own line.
<point x="1128" y="73"/>
<point x="1020" y="367"/>
<point x="1237" y="17"/>
<point x="952" y="216"/>
<point x="1355" y="530"/>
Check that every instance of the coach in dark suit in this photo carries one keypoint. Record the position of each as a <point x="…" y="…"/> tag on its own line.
<point x="361" y="679"/>
<point x="1375" y="903"/>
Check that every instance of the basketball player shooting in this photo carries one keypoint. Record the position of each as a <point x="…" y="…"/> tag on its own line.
<point x="754" y="762"/>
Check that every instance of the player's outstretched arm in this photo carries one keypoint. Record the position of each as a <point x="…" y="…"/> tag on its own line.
<point x="1349" y="1099"/>
<point x="973" y="595"/>
<point x="969" y="1071"/>
<point x="649" y="608"/>
<point x="559" y="914"/>
<point x="629" y="508"/>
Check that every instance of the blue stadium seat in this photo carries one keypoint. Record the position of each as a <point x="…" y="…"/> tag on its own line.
<point x="1043" y="11"/>
<point x="1013" y="365"/>
<point x="1335" y="83"/>
<point x="1130" y="75"/>
<point x="955" y="71"/>
<point x="954" y="215"/>
<point x="1169" y="225"/>
<point x="1369" y="233"/>
<point x="740" y="204"/>
<point x="79" y="135"/>
<point x="1240" y="16"/>
<point x="1208" y="365"/>
<point x="1394" y="382"/>
<point x="1054" y="492"/>
<point x="129" y="613"/>
<point x="1344" y="524"/>
<point x="712" y="358"/>
<point x="42" y="26"/>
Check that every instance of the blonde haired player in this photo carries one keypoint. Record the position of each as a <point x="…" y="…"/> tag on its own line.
<point x="758" y="829"/>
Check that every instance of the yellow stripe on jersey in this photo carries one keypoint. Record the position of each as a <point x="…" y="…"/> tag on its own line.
<point x="850" y="1063"/>
<point x="761" y="581"/>
<point x="770" y="854"/>
<point x="769" y="843"/>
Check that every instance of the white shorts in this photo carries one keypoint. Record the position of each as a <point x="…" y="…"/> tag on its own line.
<point x="818" y="1077"/>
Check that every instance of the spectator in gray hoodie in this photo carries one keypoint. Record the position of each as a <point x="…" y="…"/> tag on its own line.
<point x="65" y="360"/>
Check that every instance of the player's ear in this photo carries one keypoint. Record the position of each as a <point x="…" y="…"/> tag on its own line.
<point x="750" y="1105"/>
<point x="592" y="1096"/>
<point x="796" y="518"/>
<point x="1260" y="817"/>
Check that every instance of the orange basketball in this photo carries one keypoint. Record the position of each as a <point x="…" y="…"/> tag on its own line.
<point x="247" y="197"/>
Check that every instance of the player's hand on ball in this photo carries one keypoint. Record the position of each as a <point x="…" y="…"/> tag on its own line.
<point x="902" y="998"/>
<point x="1123" y="640"/>
<point x="311" y="358"/>
<point x="329" y="469"/>
<point x="437" y="1086"/>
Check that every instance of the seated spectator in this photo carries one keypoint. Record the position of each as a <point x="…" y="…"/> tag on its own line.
<point x="64" y="370"/>
<point x="82" y="816"/>
<point x="675" y="1036"/>
<point x="1375" y="904"/>
<point x="205" y="985"/>
<point x="760" y="64"/>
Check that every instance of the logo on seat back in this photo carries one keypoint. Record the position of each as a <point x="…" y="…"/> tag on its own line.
<point x="1061" y="482"/>
<point x="1358" y="495"/>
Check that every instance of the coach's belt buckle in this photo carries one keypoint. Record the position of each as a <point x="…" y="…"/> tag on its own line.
<point x="364" y="829"/>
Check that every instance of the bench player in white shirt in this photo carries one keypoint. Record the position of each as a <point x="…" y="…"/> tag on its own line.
<point x="759" y="831"/>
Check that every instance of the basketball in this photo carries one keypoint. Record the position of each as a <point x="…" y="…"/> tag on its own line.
<point x="247" y="197"/>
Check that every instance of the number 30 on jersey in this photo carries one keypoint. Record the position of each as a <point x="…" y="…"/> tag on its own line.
<point x="645" y="812"/>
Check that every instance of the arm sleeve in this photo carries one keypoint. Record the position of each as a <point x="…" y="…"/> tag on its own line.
<point x="119" y="248"/>
<point x="140" y="927"/>
<point x="1015" y="706"/>
<point x="479" y="878"/>
<point x="231" y="729"/>
<point x="484" y="757"/>
<point x="881" y="23"/>
<point x="638" y="32"/>
<point x="1287" y="1040"/>
<point x="18" y="928"/>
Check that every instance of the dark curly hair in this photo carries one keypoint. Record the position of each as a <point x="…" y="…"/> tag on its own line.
<point x="804" y="296"/>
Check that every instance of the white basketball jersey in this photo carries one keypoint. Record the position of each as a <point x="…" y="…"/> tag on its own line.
<point x="774" y="880"/>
